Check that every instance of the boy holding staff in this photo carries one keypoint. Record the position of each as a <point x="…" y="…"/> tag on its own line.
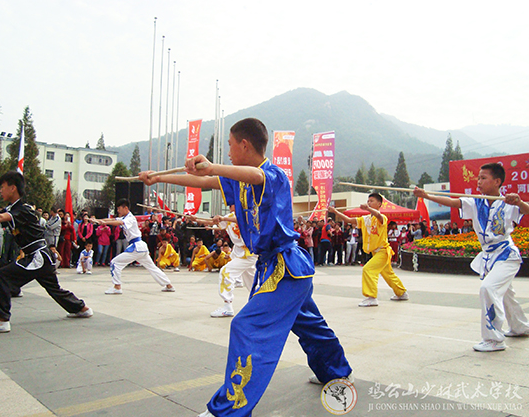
<point x="374" y="227"/>
<point x="281" y="296"/>
<point x="500" y="259"/>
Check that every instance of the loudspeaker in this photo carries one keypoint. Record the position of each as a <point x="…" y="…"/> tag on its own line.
<point x="101" y="212"/>
<point x="136" y="197"/>
<point x="132" y="191"/>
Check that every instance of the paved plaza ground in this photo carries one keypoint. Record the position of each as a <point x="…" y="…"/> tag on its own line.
<point x="148" y="353"/>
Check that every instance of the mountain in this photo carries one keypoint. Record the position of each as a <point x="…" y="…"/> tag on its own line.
<point x="469" y="145"/>
<point x="363" y="136"/>
<point x="509" y="139"/>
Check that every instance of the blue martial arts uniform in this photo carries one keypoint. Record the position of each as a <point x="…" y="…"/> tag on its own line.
<point x="280" y="300"/>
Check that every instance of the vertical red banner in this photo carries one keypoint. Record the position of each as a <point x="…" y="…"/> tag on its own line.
<point x="193" y="195"/>
<point x="282" y="154"/>
<point x="464" y="178"/>
<point x="322" y="172"/>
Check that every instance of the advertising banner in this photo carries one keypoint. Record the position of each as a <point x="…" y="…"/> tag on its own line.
<point x="464" y="178"/>
<point x="193" y="195"/>
<point x="322" y="172"/>
<point x="282" y="154"/>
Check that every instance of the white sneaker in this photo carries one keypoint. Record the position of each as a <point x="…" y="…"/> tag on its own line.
<point x="510" y="333"/>
<point x="206" y="414"/>
<point x="368" y="302"/>
<point x="89" y="272"/>
<point x="113" y="290"/>
<point x="403" y="297"/>
<point x="222" y="312"/>
<point x="489" y="346"/>
<point x="5" y="327"/>
<point x="314" y="379"/>
<point x="168" y="289"/>
<point x="176" y="269"/>
<point x="81" y="315"/>
<point x="79" y="272"/>
<point x="238" y="284"/>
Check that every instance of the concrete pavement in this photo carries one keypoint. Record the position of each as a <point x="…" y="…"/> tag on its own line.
<point x="148" y="353"/>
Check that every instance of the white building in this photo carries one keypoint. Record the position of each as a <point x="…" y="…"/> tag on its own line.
<point x="88" y="168"/>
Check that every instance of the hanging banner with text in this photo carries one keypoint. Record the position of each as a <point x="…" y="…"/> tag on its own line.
<point x="464" y="178"/>
<point x="282" y="155"/>
<point x="322" y="172"/>
<point x="193" y="195"/>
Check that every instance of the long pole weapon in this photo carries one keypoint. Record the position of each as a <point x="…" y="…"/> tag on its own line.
<point x="410" y="190"/>
<point x="200" y="165"/>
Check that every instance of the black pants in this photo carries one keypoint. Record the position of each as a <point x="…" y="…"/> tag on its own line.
<point x="14" y="276"/>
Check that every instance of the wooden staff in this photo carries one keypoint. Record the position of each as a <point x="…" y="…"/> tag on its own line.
<point x="317" y="211"/>
<point x="171" y="212"/>
<point x="201" y="165"/>
<point x="410" y="190"/>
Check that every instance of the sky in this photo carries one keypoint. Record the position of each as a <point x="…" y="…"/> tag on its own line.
<point x="85" y="67"/>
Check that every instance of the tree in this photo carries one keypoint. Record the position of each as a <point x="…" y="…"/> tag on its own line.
<point x="458" y="154"/>
<point x="135" y="161"/>
<point x="382" y="175"/>
<point x="39" y="189"/>
<point x="372" y="175"/>
<point x="101" y="143"/>
<point x="209" y="155"/>
<point x="302" y="184"/>
<point x="108" y="193"/>
<point x="425" y="179"/>
<point x="445" y="161"/>
<point x="87" y="146"/>
<point x="401" y="178"/>
<point x="339" y="188"/>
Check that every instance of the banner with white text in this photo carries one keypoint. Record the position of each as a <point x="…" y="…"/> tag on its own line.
<point x="193" y="195"/>
<point x="322" y="172"/>
<point x="282" y="154"/>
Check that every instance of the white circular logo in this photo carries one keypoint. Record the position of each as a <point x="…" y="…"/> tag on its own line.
<point x="339" y="396"/>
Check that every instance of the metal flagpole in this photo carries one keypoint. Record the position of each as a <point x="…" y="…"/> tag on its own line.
<point x="167" y="144"/>
<point x="176" y="141"/>
<point x="148" y="189"/>
<point x="160" y="119"/>
<point x="169" y="200"/>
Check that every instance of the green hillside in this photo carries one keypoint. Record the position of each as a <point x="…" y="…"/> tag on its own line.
<point x="363" y="136"/>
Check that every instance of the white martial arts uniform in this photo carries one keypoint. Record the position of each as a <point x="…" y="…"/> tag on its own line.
<point x="136" y="251"/>
<point x="241" y="268"/>
<point x="88" y="261"/>
<point x="497" y="264"/>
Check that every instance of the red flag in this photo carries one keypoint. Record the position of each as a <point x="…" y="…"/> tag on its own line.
<point x="162" y="204"/>
<point x="20" y="167"/>
<point x="68" y="206"/>
<point x="423" y="211"/>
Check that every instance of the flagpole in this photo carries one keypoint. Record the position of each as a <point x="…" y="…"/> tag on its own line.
<point x="166" y="149"/>
<point x="152" y="98"/>
<point x="169" y="200"/>
<point x="177" y="133"/>
<point x="160" y="116"/>
<point x="20" y="164"/>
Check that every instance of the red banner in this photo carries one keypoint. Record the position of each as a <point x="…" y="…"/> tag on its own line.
<point x="464" y="178"/>
<point x="193" y="195"/>
<point x="322" y="172"/>
<point x="282" y="155"/>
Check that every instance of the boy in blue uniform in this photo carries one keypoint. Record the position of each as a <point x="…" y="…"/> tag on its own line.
<point x="281" y="297"/>
<point x="500" y="259"/>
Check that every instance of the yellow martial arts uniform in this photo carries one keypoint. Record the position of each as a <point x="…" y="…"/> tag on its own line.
<point x="198" y="263"/>
<point x="169" y="258"/>
<point x="220" y="261"/>
<point x="375" y="237"/>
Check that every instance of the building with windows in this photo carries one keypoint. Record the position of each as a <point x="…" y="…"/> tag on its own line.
<point x="88" y="168"/>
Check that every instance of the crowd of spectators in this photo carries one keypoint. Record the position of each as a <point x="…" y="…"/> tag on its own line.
<point x="328" y="243"/>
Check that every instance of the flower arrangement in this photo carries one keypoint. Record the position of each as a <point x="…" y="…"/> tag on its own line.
<point x="465" y="245"/>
